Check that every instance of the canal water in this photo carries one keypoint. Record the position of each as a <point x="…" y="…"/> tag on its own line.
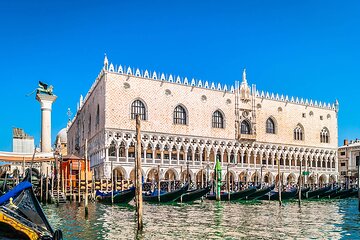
<point x="318" y="219"/>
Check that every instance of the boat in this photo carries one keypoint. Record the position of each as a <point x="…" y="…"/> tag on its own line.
<point x="21" y="216"/>
<point x="233" y="195"/>
<point x="274" y="195"/>
<point x="118" y="196"/>
<point x="193" y="195"/>
<point x="165" y="197"/>
<point x="315" y="193"/>
<point x="352" y="193"/>
<point x="259" y="193"/>
<point x="340" y="193"/>
<point x="329" y="192"/>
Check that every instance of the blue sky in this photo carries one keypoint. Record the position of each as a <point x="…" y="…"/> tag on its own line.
<point x="308" y="49"/>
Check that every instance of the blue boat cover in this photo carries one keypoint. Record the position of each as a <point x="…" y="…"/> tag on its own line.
<point x="155" y="192"/>
<point x="13" y="193"/>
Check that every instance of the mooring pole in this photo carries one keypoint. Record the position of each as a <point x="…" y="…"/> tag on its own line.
<point x="300" y="182"/>
<point x="159" y="185"/>
<point x="41" y="184"/>
<point x="112" y="184"/>
<point x="139" y="209"/>
<point x="79" y="186"/>
<point x="86" y="179"/>
<point x="70" y="182"/>
<point x="228" y="181"/>
<point x="279" y="182"/>
<point x="359" y="182"/>
<point x="47" y="185"/>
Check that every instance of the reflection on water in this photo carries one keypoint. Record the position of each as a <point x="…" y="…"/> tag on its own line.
<point x="327" y="219"/>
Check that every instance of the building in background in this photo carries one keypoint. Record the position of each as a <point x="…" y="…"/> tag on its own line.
<point x="22" y="142"/>
<point x="349" y="155"/>
<point x="192" y="122"/>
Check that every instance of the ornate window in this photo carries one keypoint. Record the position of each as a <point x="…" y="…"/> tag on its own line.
<point x="138" y="108"/>
<point x="217" y="120"/>
<point x="180" y="115"/>
<point x="245" y="127"/>
<point x="112" y="149"/>
<point x="324" y="135"/>
<point x="270" y="126"/>
<point x="298" y="133"/>
<point x="97" y="120"/>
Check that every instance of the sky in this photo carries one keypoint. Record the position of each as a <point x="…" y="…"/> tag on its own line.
<point x="308" y="49"/>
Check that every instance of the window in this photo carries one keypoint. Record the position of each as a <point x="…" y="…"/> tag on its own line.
<point x="342" y="153"/>
<point x="270" y="126"/>
<point x="180" y="115"/>
<point x="343" y="164"/>
<point x="357" y="161"/>
<point x="245" y="127"/>
<point x="89" y="126"/>
<point x="298" y="133"/>
<point x="324" y="135"/>
<point x="217" y="120"/>
<point x="343" y="173"/>
<point x="112" y="150"/>
<point x="321" y="117"/>
<point x="97" y="120"/>
<point x="138" y="108"/>
<point x="304" y="115"/>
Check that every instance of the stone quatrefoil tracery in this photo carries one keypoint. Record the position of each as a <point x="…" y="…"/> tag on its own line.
<point x="269" y="152"/>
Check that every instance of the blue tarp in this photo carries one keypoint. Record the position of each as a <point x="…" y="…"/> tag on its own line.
<point x="13" y="193"/>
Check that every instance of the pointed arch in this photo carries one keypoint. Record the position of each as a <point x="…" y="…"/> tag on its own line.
<point x="138" y="107"/>
<point x="270" y="125"/>
<point x="245" y="127"/>
<point x="180" y="115"/>
<point x="324" y="135"/>
<point x="299" y="132"/>
<point x="218" y="119"/>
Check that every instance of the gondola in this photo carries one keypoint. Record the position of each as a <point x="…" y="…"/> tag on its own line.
<point x="352" y="193"/>
<point x="340" y="193"/>
<point x="274" y="195"/>
<point x="121" y="197"/>
<point x="165" y="197"/>
<point x="21" y="216"/>
<point x="193" y="195"/>
<point x="329" y="192"/>
<point x="259" y="193"/>
<point x="315" y="193"/>
<point x="233" y="195"/>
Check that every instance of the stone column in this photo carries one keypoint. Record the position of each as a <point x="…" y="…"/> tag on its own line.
<point x="162" y="155"/>
<point x="177" y="156"/>
<point x="46" y="102"/>
<point x="106" y="154"/>
<point x="117" y="153"/>
<point x="127" y="153"/>
<point x="242" y="159"/>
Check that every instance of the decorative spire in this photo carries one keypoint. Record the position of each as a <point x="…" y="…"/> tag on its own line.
<point x="106" y="62"/>
<point x="244" y="76"/>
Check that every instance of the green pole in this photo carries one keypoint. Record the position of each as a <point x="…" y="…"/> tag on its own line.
<point x="218" y="179"/>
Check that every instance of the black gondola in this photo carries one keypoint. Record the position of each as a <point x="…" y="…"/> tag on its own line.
<point x="259" y="193"/>
<point x="193" y="195"/>
<point x="352" y="193"/>
<point x="166" y="196"/>
<point x="340" y="193"/>
<point x="233" y="195"/>
<point x="21" y="216"/>
<point x="274" y="195"/>
<point x="329" y="192"/>
<point x="315" y="193"/>
<point x="121" y="197"/>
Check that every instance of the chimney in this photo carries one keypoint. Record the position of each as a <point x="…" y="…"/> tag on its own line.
<point x="346" y="142"/>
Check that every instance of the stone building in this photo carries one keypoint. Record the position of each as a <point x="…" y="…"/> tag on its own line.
<point x="349" y="155"/>
<point x="191" y="122"/>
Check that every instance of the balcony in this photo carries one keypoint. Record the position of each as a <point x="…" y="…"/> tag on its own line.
<point x="251" y="137"/>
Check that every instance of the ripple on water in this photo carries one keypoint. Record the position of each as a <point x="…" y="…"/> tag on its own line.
<point x="326" y="219"/>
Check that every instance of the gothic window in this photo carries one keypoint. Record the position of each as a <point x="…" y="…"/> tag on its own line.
<point x="180" y="115"/>
<point x="217" y="120"/>
<point x="112" y="150"/>
<point x="89" y="127"/>
<point x="324" y="135"/>
<point x="270" y="126"/>
<point x="298" y="133"/>
<point x="245" y="127"/>
<point x="97" y="120"/>
<point x="138" y="108"/>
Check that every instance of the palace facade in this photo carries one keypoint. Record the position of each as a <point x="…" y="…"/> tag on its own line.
<point x="189" y="123"/>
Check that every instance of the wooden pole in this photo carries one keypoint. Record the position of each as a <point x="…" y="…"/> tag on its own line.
<point x="79" y="186"/>
<point x="47" y="185"/>
<point x="70" y="182"/>
<point x="228" y="181"/>
<point x="138" y="185"/>
<point x="359" y="183"/>
<point x="86" y="179"/>
<point x="159" y="186"/>
<point x="58" y="181"/>
<point x="279" y="182"/>
<point x="41" y="184"/>
<point x="300" y="181"/>
<point x="112" y="184"/>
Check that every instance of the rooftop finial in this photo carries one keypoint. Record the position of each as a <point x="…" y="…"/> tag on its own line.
<point x="106" y="62"/>
<point x="244" y="76"/>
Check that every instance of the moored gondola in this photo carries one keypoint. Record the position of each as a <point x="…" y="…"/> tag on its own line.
<point x="340" y="193"/>
<point x="121" y="197"/>
<point x="194" y="195"/>
<point x="259" y="193"/>
<point x="285" y="195"/>
<point x="233" y="195"/>
<point x="315" y="193"/>
<point x="352" y="193"/>
<point x="21" y="216"/>
<point x="329" y="192"/>
<point x="165" y="197"/>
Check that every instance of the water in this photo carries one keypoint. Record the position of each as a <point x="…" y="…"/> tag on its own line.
<point x="320" y="219"/>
